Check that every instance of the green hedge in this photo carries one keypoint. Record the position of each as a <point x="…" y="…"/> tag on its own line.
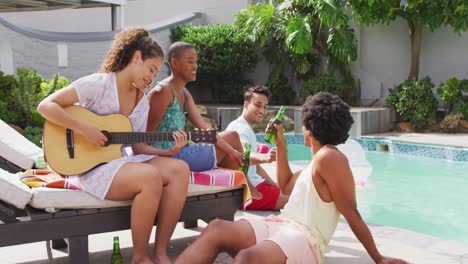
<point x="19" y="97"/>
<point x="225" y="57"/>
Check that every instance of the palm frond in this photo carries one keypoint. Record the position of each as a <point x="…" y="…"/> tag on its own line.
<point x="256" y="20"/>
<point x="299" y="37"/>
<point x="342" y="43"/>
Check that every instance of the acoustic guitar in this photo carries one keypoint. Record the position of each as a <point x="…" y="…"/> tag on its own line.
<point x="70" y="153"/>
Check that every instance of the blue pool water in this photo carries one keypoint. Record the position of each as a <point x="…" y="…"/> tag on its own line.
<point x="422" y="194"/>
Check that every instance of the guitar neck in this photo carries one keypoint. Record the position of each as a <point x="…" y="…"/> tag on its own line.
<point x="140" y="137"/>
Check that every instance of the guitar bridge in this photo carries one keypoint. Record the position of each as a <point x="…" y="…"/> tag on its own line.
<point x="70" y="144"/>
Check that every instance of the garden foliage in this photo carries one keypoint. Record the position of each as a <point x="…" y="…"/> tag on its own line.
<point x="297" y="34"/>
<point x="19" y="97"/>
<point x="225" y="57"/>
<point x="454" y="93"/>
<point x="414" y="101"/>
<point x="323" y="82"/>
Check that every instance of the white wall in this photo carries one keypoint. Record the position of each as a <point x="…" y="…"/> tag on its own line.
<point x="384" y="57"/>
<point x="6" y="53"/>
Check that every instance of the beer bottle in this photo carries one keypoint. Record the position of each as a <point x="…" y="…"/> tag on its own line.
<point x="271" y="133"/>
<point x="116" y="256"/>
<point x="246" y="160"/>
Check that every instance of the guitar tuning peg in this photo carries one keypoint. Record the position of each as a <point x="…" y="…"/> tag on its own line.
<point x="196" y="129"/>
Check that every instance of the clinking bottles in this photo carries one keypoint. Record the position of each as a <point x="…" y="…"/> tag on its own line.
<point x="246" y="160"/>
<point x="271" y="133"/>
<point x="116" y="255"/>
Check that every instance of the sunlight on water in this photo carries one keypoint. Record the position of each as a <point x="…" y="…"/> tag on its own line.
<point x="417" y="193"/>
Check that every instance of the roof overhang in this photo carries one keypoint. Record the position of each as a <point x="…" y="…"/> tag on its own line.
<point x="38" y="5"/>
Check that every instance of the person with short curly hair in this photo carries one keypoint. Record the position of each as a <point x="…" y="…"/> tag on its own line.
<point x="328" y="117"/>
<point x="320" y="194"/>
<point x="151" y="182"/>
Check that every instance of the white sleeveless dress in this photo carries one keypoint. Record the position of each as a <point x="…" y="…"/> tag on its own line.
<point x="98" y="93"/>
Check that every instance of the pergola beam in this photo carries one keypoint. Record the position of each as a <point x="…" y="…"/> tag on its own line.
<point x="32" y="3"/>
<point x="39" y="5"/>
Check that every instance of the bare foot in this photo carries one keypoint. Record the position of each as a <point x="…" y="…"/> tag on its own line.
<point x="143" y="260"/>
<point x="256" y="195"/>
<point x="162" y="259"/>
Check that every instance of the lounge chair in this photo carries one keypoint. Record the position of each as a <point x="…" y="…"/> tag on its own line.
<point x="42" y="214"/>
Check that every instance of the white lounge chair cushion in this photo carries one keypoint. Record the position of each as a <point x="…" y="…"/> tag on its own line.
<point x="17" y="149"/>
<point x="13" y="191"/>
<point x="52" y="199"/>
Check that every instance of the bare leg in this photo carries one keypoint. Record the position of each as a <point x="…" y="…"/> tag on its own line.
<point x="175" y="175"/>
<point x="224" y="161"/>
<point x="141" y="183"/>
<point x="232" y="138"/>
<point x="219" y="235"/>
<point x="281" y="202"/>
<point x="264" y="252"/>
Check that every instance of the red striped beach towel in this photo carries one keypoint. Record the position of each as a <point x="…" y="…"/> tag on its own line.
<point x="46" y="178"/>
<point x="222" y="177"/>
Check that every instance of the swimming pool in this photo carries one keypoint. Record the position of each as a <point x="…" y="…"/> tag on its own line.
<point x="422" y="194"/>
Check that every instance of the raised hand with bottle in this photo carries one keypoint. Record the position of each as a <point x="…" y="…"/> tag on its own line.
<point x="271" y="132"/>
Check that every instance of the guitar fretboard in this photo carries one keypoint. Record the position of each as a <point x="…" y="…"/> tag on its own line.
<point x="139" y="137"/>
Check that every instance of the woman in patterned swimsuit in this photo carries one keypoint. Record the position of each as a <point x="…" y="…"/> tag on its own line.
<point x="128" y="70"/>
<point x="171" y="103"/>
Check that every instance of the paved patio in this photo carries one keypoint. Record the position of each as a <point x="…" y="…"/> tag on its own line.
<point x="343" y="249"/>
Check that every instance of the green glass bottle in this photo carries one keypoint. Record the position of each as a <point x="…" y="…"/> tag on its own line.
<point x="116" y="256"/>
<point x="246" y="160"/>
<point x="271" y="133"/>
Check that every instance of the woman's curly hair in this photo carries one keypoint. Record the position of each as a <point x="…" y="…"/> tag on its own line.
<point x="124" y="46"/>
<point x="327" y="117"/>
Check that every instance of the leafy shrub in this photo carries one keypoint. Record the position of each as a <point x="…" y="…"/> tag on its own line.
<point x="461" y="104"/>
<point x="8" y="107"/>
<point x="20" y="95"/>
<point x="27" y="94"/>
<point x="34" y="134"/>
<point x="323" y="82"/>
<point x="449" y="92"/>
<point x="414" y="101"/>
<point x="225" y="57"/>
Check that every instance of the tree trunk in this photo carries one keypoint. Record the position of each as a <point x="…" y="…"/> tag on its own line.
<point x="415" y="40"/>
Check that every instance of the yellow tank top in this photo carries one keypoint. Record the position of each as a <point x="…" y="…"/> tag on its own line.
<point x="307" y="208"/>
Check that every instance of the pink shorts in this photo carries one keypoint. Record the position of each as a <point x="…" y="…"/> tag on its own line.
<point x="295" y="242"/>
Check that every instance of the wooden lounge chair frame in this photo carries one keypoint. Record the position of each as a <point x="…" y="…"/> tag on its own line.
<point x="75" y="225"/>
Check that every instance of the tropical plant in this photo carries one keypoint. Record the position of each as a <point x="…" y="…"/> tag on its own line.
<point x="419" y="14"/>
<point x="225" y="56"/>
<point x="414" y="101"/>
<point x="297" y="32"/>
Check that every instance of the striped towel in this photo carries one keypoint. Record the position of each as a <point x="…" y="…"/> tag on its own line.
<point x="223" y="177"/>
<point x="46" y="178"/>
